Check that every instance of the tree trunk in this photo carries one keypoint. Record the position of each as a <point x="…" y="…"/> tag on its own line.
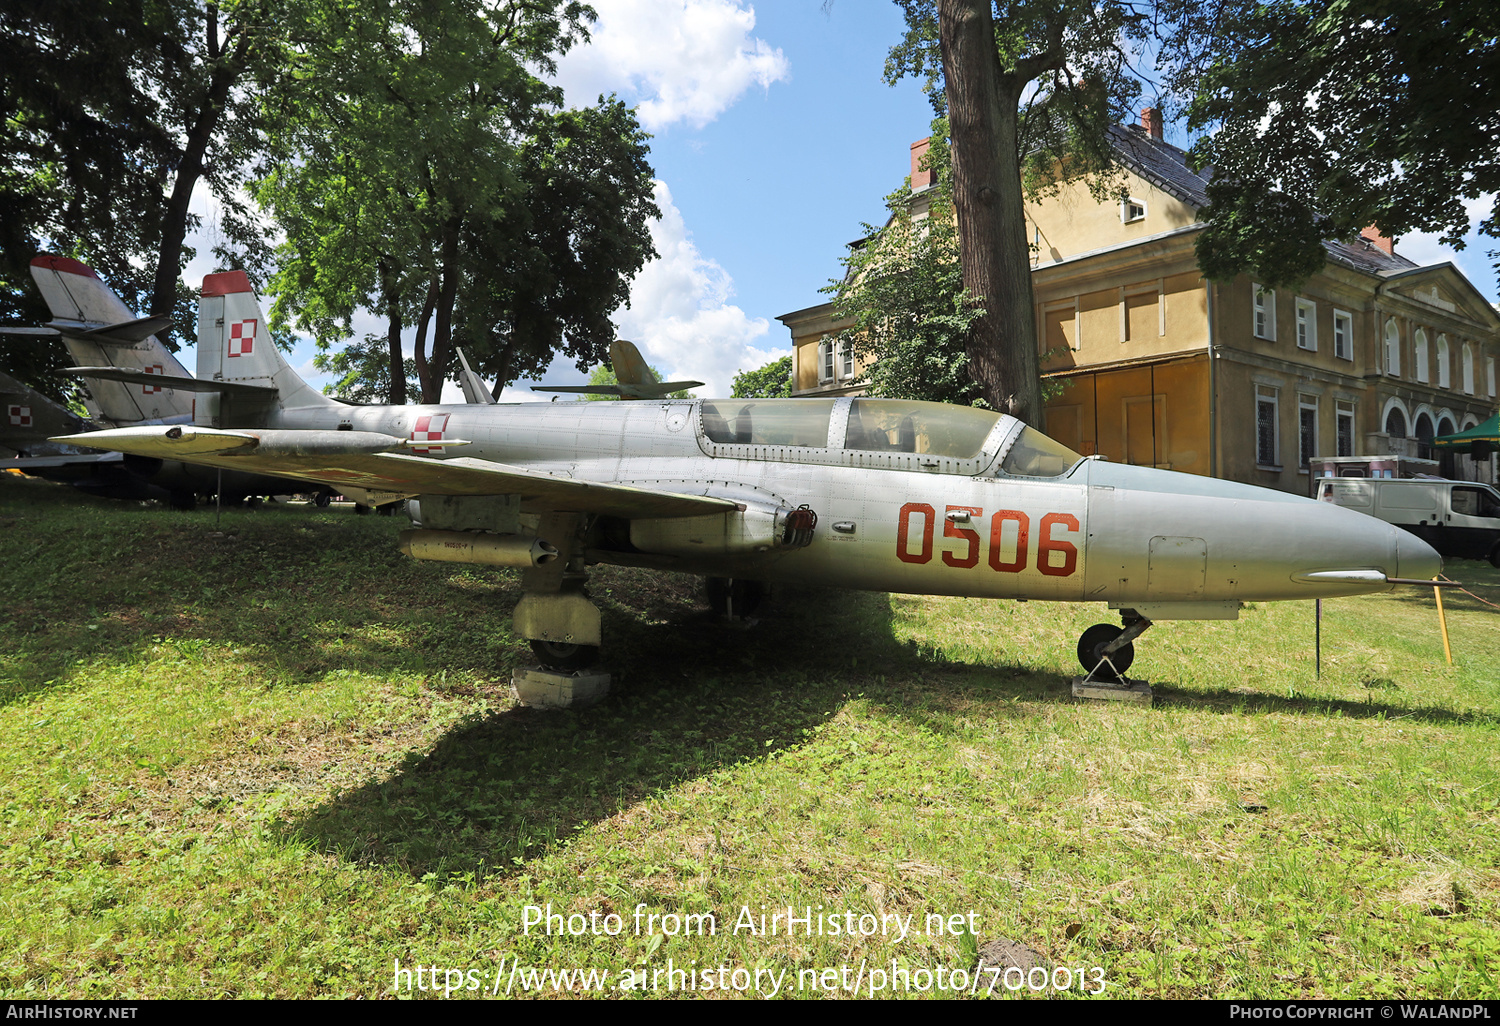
<point x="419" y="348"/>
<point x="442" y="334"/>
<point x="390" y="291"/>
<point x="988" y="201"/>
<point x="199" y="136"/>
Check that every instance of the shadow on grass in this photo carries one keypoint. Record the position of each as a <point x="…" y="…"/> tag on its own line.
<point x="1242" y="702"/>
<point x="689" y="697"/>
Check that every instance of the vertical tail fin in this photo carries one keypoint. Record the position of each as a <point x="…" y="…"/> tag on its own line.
<point x="81" y="304"/>
<point x="235" y="345"/>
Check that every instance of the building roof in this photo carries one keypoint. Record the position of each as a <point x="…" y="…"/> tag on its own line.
<point x="1165" y="166"/>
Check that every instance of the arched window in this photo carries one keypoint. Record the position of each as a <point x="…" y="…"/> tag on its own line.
<point x="1444" y="380"/>
<point x="1423" y="431"/>
<point x="1395" y="423"/>
<point x="1468" y="368"/>
<point x="1392" y="348"/>
<point x="1419" y="357"/>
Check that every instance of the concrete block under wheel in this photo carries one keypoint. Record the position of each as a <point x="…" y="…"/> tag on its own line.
<point x="1137" y="692"/>
<point x="551" y="689"/>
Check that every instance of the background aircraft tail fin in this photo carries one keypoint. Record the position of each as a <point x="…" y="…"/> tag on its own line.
<point x="234" y="345"/>
<point x="101" y="331"/>
<point x="475" y="390"/>
<point x="629" y="365"/>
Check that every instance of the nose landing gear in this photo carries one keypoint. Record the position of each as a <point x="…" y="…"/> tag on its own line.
<point x="1106" y="651"/>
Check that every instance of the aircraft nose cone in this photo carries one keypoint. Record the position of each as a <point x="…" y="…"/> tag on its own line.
<point x="1415" y="559"/>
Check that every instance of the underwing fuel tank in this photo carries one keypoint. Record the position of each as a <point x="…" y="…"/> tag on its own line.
<point x="1162" y="537"/>
<point x="477" y="547"/>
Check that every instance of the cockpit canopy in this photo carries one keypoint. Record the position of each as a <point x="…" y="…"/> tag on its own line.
<point x="953" y="439"/>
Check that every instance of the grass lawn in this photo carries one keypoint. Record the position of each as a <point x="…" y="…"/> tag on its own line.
<point x="278" y="758"/>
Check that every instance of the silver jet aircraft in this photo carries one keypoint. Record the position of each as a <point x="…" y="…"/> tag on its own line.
<point x="876" y="494"/>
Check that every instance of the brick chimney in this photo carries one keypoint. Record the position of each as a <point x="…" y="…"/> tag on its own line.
<point x="1373" y="237"/>
<point x="1151" y="123"/>
<point x="920" y="179"/>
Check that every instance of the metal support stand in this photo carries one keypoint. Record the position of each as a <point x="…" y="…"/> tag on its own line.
<point x="552" y="689"/>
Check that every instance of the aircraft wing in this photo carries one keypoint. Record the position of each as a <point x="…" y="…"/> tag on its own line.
<point x="365" y="460"/>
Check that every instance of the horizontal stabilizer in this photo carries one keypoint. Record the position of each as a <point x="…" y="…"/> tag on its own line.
<point x="163" y="380"/>
<point x="359" y="459"/>
<point x="33" y="332"/>
<point x="126" y="333"/>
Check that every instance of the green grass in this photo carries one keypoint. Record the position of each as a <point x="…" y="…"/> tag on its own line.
<point x="277" y="757"/>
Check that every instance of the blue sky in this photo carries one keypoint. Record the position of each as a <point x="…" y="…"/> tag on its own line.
<point x="775" y="139"/>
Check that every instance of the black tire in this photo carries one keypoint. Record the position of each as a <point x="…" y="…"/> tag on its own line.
<point x="361" y="510"/>
<point x="322" y="500"/>
<point x="746" y="596"/>
<point x="1091" y="649"/>
<point x="566" y="658"/>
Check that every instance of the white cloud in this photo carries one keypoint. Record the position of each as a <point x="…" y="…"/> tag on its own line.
<point x="680" y="315"/>
<point x="1473" y="260"/>
<point x="682" y="60"/>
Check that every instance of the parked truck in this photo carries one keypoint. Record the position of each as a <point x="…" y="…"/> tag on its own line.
<point x="1461" y="519"/>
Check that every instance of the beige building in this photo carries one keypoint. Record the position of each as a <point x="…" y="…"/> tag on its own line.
<point x="1371" y="358"/>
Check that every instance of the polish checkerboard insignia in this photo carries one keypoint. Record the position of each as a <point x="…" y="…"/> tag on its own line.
<point x="242" y="337"/>
<point x="20" y="416"/>
<point x="429" y="429"/>
<point x="155" y="368"/>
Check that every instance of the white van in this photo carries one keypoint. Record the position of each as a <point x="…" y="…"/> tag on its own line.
<point x="1458" y="518"/>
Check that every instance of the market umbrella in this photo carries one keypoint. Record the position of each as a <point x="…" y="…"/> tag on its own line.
<point x="1479" y="441"/>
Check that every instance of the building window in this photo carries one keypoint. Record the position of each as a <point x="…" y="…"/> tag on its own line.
<point x="1392" y="349"/>
<point x="1419" y="354"/>
<point x="1489" y="374"/>
<point x="1266" y="442"/>
<point x="826" y="360"/>
<point x="1468" y="359"/>
<point x="1345" y="428"/>
<point x="1307" y="429"/>
<point x="846" y="361"/>
<point x="1395" y="423"/>
<point x="1265" y="313"/>
<point x="1444" y="380"/>
<point x="1307" y="325"/>
<point x="1343" y="335"/>
<point x="1132" y="209"/>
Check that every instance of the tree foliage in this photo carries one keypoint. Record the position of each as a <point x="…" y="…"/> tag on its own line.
<point x="1328" y="116"/>
<point x="423" y="171"/>
<point x="1030" y="88"/>
<point x="773" y="381"/>
<point x="903" y="287"/>
<point x="114" y="113"/>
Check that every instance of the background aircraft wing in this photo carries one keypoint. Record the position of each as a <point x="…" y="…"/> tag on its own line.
<point x="365" y="460"/>
<point x="135" y="377"/>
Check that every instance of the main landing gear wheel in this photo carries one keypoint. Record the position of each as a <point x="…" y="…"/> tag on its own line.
<point x="734" y="597"/>
<point x="1091" y="649"/>
<point x="564" y="657"/>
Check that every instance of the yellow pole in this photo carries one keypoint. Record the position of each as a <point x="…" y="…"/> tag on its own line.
<point x="1443" y="623"/>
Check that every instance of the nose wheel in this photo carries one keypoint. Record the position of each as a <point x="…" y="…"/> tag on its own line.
<point x="1106" y="651"/>
<point x="556" y="655"/>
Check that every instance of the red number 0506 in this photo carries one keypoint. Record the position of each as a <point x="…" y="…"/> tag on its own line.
<point x="1008" y="541"/>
